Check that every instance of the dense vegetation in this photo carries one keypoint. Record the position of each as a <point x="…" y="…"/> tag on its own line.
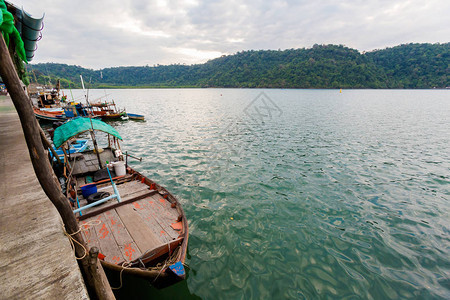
<point x="322" y="66"/>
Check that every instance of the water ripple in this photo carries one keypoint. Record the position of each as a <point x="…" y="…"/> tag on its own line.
<point x="342" y="196"/>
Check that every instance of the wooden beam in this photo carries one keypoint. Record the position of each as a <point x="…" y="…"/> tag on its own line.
<point x="115" y="205"/>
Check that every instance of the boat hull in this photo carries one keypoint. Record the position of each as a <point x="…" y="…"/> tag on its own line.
<point x="153" y="207"/>
<point x="48" y="116"/>
<point x="136" y="117"/>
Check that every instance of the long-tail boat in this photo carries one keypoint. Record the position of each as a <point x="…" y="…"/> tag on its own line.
<point x="138" y="226"/>
<point x="107" y="111"/>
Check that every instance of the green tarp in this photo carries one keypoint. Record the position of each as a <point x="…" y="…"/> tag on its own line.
<point x="78" y="125"/>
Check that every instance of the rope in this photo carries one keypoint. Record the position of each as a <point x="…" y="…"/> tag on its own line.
<point x="125" y="265"/>
<point x="168" y="261"/>
<point x="71" y="239"/>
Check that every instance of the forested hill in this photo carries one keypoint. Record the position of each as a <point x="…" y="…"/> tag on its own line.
<point x="322" y="66"/>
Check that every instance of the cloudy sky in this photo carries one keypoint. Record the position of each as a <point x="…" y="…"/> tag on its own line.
<point x="99" y="33"/>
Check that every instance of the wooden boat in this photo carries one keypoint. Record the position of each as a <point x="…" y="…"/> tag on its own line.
<point x="141" y="228"/>
<point x="49" y="98"/>
<point x="48" y="115"/>
<point x="107" y="111"/>
<point x="136" y="117"/>
<point x="53" y="110"/>
<point x="74" y="147"/>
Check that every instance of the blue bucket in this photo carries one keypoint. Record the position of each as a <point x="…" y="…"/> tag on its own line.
<point x="88" y="190"/>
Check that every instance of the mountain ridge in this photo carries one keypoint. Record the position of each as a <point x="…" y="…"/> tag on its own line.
<point x="411" y="65"/>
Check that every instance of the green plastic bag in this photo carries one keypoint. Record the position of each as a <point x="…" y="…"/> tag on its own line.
<point x="10" y="31"/>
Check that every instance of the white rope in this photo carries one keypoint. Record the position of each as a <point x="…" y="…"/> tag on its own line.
<point x="71" y="239"/>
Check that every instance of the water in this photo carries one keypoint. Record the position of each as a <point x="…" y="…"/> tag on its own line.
<point x="300" y="193"/>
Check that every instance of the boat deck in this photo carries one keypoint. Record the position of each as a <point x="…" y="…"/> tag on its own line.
<point x="143" y="221"/>
<point x="88" y="162"/>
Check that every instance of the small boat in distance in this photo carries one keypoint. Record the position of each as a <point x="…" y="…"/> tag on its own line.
<point x="136" y="117"/>
<point x="138" y="226"/>
<point x="107" y="111"/>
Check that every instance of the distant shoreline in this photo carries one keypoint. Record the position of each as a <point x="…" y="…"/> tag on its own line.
<point x="408" y="66"/>
<point x="248" y="88"/>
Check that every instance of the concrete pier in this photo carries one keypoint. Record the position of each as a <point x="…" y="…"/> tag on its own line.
<point x="36" y="259"/>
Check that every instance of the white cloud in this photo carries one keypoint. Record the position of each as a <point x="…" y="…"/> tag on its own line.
<point x="99" y="34"/>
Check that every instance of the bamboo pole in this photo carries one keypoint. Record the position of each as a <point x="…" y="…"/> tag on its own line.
<point x="42" y="166"/>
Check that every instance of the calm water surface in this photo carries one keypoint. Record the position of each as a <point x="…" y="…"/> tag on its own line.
<point x="300" y="194"/>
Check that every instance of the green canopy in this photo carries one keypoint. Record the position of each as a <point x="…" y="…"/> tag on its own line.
<point x="78" y="125"/>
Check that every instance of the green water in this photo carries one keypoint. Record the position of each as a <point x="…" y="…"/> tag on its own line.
<point x="300" y="194"/>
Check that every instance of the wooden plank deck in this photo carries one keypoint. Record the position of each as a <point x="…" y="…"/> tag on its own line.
<point x="36" y="259"/>
<point x="89" y="162"/>
<point x="125" y="232"/>
<point x="127" y="191"/>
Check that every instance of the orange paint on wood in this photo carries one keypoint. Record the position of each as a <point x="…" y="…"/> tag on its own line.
<point x="103" y="231"/>
<point x="136" y="205"/>
<point x="129" y="251"/>
<point x="177" y="225"/>
<point x="116" y="259"/>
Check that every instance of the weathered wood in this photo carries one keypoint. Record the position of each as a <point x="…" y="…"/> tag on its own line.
<point x="161" y="250"/>
<point x="115" y="235"/>
<point x="169" y="212"/>
<point x="94" y="266"/>
<point x="123" y="239"/>
<point x="117" y="180"/>
<point x="34" y="252"/>
<point x="93" y="255"/>
<point x="151" y="214"/>
<point x="114" y="205"/>
<point x="38" y="157"/>
<point x="133" y="222"/>
<point x="49" y="145"/>
<point x="148" y="215"/>
<point x="90" y="235"/>
<point x="107" y="243"/>
<point x="30" y="126"/>
<point x="162" y="215"/>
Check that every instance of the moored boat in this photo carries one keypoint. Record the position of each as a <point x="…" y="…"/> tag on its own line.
<point x="107" y="111"/>
<point x="138" y="226"/>
<point x="49" y="115"/>
<point x="136" y="117"/>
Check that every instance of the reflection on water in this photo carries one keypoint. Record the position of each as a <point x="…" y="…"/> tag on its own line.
<point x="324" y="195"/>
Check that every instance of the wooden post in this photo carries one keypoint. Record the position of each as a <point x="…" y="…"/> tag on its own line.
<point x="39" y="159"/>
<point x="49" y="145"/>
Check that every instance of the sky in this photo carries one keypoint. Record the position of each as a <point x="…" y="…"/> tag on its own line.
<point x="98" y="34"/>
